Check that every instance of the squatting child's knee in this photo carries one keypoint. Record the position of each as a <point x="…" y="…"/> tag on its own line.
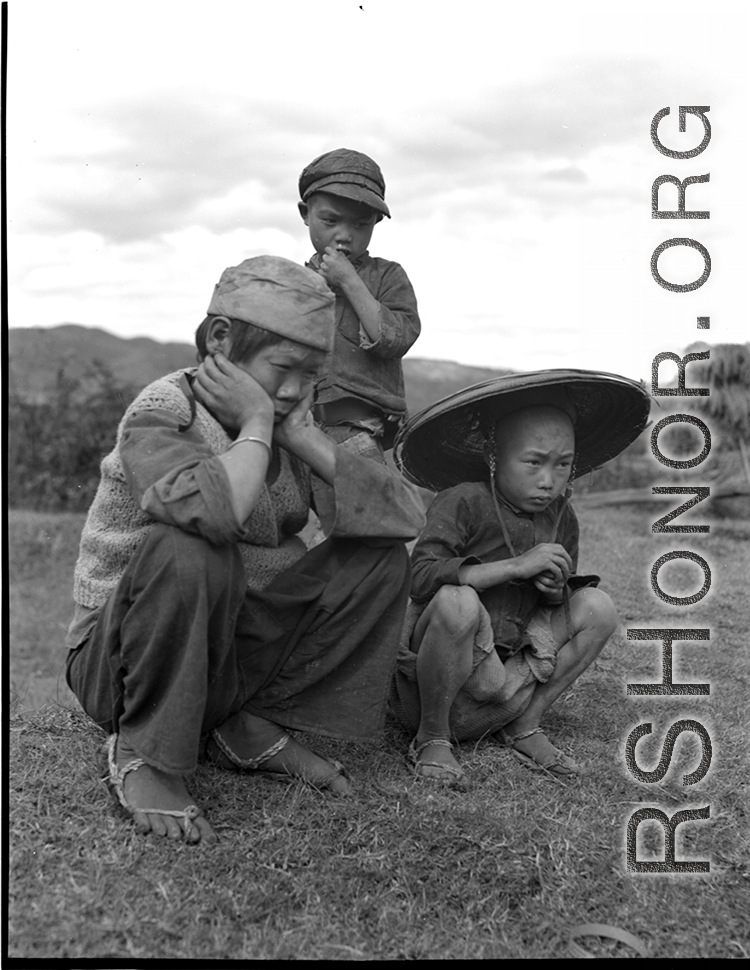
<point x="456" y="609"/>
<point x="595" y="611"/>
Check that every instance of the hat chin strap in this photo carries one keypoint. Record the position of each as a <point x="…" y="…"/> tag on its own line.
<point x="491" y="461"/>
<point x="506" y="536"/>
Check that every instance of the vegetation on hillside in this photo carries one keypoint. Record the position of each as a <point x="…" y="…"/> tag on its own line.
<point x="55" y="445"/>
<point x="727" y="374"/>
<point x="726" y="411"/>
<point x="60" y="431"/>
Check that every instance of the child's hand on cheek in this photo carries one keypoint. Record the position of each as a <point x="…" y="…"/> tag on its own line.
<point x="335" y="268"/>
<point x="297" y="424"/>
<point x="231" y="394"/>
<point x="299" y="434"/>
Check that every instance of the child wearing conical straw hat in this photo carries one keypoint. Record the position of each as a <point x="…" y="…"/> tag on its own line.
<point x="500" y="625"/>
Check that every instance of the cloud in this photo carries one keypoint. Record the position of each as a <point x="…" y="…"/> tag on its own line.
<point x="167" y="158"/>
<point x="167" y="161"/>
<point x="515" y="148"/>
<point x="571" y="173"/>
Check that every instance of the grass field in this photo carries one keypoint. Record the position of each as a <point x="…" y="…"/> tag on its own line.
<point x="400" y="870"/>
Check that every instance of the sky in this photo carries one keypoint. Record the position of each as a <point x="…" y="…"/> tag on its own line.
<point x="152" y="144"/>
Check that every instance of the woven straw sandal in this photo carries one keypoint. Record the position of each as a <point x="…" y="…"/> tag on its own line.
<point x="253" y="765"/>
<point x="557" y="763"/>
<point x="451" y="777"/>
<point x="117" y="779"/>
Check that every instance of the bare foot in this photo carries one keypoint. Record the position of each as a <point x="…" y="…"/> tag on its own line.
<point x="148" y="787"/>
<point x="248" y="736"/>
<point x="536" y="750"/>
<point x="437" y="762"/>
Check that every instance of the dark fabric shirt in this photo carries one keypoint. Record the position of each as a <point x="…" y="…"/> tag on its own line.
<point x="463" y="529"/>
<point x="366" y="369"/>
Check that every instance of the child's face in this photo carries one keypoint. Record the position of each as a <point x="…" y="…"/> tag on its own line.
<point x="341" y="223"/>
<point x="534" y="450"/>
<point x="286" y="371"/>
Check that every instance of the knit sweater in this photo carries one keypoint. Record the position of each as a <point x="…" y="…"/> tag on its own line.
<point x="193" y="496"/>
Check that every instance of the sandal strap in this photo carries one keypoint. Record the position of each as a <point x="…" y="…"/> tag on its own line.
<point x="338" y="771"/>
<point x="255" y="764"/>
<point x="117" y="774"/>
<point x="448" y="771"/>
<point x="415" y="750"/>
<point x="249" y="764"/>
<point x="456" y="772"/>
<point x="557" y="758"/>
<point x="117" y="777"/>
<point x="510" y="739"/>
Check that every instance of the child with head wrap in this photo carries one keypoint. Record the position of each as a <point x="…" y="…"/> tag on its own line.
<point x="360" y="396"/>
<point x="500" y="624"/>
<point x="202" y="621"/>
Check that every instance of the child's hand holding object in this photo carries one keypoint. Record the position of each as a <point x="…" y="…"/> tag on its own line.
<point x="548" y="559"/>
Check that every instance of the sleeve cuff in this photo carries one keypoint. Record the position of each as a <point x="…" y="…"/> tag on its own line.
<point x="368" y="500"/>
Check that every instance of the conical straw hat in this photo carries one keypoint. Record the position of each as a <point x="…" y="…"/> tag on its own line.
<point x="442" y="445"/>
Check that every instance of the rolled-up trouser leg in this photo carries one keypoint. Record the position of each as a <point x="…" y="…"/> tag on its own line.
<point x="160" y="665"/>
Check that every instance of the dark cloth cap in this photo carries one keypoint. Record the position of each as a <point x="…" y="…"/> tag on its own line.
<point x="443" y="445"/>
<point x="346" y="173"/>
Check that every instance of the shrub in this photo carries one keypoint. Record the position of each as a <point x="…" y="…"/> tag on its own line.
<point x="55" y="445"/>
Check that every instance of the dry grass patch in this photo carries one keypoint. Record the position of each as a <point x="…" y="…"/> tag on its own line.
<point x="403" y="869"/>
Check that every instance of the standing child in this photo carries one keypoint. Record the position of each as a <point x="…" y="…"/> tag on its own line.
<point x="500" y="624"/>
<point x="360" y="398"/>
<point x="200" y="614"/>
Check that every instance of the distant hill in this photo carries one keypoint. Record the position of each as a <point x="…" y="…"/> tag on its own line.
<point x="36" y="355"/>
<point x="429" y="380"/>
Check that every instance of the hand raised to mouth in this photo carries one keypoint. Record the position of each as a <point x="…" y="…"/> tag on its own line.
<point x="335" y="266"/>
